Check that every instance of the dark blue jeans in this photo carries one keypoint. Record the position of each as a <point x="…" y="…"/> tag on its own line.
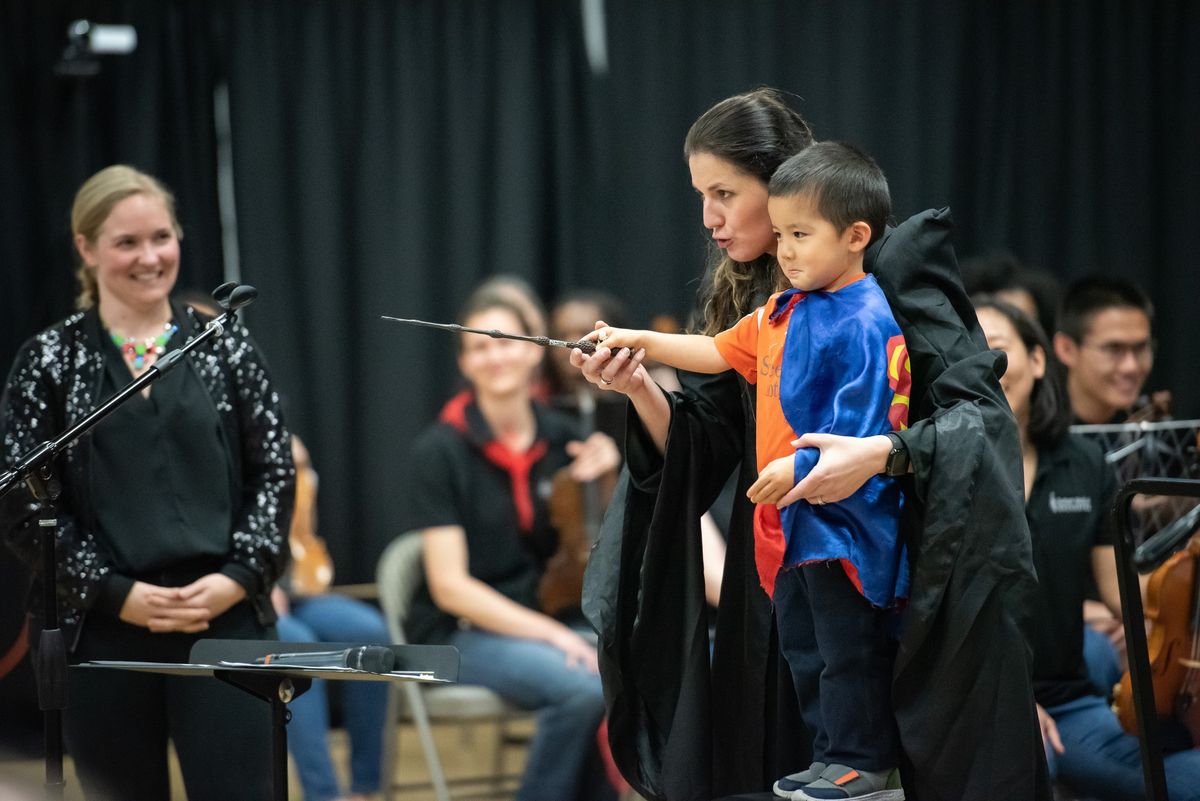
<point x="1103" y="661"/>
<point x="1102" y="761"/>
<point x="569" y="701"/>
<point x="840" y="650"/>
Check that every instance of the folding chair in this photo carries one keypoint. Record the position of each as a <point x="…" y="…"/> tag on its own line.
<point x="398" y="575"/>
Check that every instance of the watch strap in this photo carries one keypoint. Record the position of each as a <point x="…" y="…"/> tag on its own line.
<point x="897" y="460"/>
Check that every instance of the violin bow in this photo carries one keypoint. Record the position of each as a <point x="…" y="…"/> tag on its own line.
<point x="546" y="342"/>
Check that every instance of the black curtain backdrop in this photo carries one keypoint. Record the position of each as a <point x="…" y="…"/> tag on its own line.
<point x="390" y="155"/>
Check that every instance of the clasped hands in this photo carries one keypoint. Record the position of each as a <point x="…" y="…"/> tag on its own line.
<point x="185" y="609"/>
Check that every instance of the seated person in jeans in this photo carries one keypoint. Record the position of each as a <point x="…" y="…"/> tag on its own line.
<point x="479" y="480"/>
<point x="1068" y="488"/>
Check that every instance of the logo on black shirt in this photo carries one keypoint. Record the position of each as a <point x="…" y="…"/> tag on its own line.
<point x="1070" y="504"/>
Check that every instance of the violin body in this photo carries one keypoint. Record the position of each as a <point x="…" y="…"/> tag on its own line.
<point x="575" y="511"/>
<point x="562" y="585"/>
<point x="312" y="568"/>
<point x="1171" y="608"/>
<point x="576" y="508"/>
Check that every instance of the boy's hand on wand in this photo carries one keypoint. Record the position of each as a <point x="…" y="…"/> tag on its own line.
<point x="620" y="371"/>
<point x="774" y="481"/>
<point x="616" y="338"/>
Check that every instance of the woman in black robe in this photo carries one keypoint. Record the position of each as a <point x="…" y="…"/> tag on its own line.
<point x="682" y="729"/>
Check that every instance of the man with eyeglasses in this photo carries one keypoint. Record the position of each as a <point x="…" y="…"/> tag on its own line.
<point x="1104" y="341"/>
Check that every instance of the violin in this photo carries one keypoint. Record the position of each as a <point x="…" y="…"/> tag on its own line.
<point x="561" y="587"/>
<point x="575" y="511"/>
<point x="312" y="568"/>
<point x="1173" y="608"/>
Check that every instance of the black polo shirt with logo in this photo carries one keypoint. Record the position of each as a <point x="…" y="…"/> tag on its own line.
<point x="1068" y="514"/>
<point x="461" y="476"/>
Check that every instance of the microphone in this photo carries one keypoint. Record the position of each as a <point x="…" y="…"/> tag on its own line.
<point x="221" y="293"/>
<point x="240" y="297"/>
<point x="371" y="658"/>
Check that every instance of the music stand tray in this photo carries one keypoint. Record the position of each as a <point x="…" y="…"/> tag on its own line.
<point x="233" y="662"/>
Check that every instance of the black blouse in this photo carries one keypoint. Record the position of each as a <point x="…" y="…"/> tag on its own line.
<point x="162" y="480"/>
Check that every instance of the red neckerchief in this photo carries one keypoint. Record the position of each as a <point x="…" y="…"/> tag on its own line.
<point x="517" y="465"/>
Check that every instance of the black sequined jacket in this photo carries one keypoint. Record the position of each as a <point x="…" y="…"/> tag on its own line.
<point x="55" y="382"/>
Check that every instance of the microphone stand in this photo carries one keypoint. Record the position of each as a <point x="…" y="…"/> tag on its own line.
<point x="36" y="470"/>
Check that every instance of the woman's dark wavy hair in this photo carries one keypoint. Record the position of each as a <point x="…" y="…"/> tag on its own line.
<point x="755" y="132"/>
<point x="1049" y="411"/>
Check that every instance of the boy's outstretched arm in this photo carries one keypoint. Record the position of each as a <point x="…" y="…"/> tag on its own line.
<point x="692" y="352"/>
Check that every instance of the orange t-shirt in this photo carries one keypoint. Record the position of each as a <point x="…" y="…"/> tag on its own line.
<point x="754" y="347"/>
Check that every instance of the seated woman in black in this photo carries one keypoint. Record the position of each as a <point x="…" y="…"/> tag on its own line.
<point x="480" y="481"/>
<point x="1068" y="488"/>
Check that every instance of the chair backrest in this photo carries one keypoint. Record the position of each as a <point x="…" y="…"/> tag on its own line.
<point x="397" y="576"/>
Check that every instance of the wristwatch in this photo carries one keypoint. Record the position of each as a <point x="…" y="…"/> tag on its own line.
<point x="897" y="459"/>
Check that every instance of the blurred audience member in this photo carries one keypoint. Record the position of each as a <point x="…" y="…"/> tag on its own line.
<point x="481" y="477"/>
<point x="573" y="317"/>
<point x="1004" y="277"/>
<point x="1105" y="343"/>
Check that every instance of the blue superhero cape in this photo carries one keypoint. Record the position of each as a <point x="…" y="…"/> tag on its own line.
<point x="835" y="380"/>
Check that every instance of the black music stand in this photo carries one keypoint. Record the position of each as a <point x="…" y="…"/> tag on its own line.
<point x="233" y="662"/>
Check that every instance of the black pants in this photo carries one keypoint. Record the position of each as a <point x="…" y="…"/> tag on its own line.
<point x="840" y="650"/>
<point x="117" y="722"/>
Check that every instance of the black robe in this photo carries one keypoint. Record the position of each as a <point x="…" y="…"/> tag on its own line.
<point x="683" y="730"/>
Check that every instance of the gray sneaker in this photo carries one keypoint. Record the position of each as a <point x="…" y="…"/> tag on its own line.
<point x="839" y="782"/>
<point x="797" y="781"/>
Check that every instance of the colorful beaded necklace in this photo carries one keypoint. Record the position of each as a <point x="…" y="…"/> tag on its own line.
<point x="136" y="351"/>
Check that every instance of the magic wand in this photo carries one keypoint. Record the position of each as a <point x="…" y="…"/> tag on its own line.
<point x="545" y="342"/>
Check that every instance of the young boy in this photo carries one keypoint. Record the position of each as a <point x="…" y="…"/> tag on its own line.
<point x="826" y="356"/>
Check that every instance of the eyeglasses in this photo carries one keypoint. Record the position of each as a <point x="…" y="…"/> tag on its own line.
<point x="1115" y="352"/>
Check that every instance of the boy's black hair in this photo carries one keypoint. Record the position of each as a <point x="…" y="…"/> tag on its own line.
<point x="845" y="183"/>
<point x="1049" y="410"/>
<point x="1092" y="294"/>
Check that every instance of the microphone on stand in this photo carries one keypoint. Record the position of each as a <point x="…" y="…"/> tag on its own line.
<point x="371" y="658"/>
<point x="240" y="297"/>
<point x="221" y="293"/>
<point x="230" y="297"/>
